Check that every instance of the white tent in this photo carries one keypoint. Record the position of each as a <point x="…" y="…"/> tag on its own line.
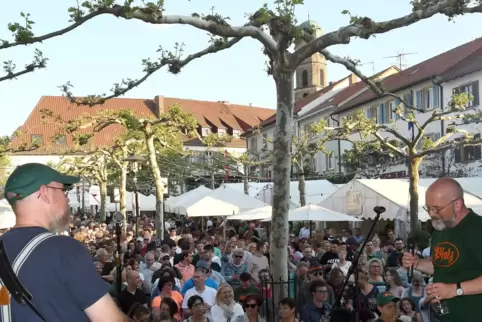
<point x="173" y="202"/>
<point x="7" y="216"/>
<point x="317" y="213"/>
<point x="471" y="185"/>
<point x="253" y="214"/>
<point x="223" y="202"/>
<point x="316" y="191"/>
<point x="360" y="196"/>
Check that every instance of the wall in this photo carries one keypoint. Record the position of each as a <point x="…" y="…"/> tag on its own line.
<point x="17" y="160"/>
<point x="472" y="168"/>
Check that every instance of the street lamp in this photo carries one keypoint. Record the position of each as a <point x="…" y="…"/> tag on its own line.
<point x="134" y="160"/>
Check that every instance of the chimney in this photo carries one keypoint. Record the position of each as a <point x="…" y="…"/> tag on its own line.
<point x="352" y="79"/>
<point x="159" y="105"/>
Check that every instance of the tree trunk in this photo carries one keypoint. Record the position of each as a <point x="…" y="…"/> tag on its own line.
<point x="281" y="180"/>
<point x="245" y="181"/>
<point x="123" y="194"/>
<point x="156" y="173"/>
<point x="413" y="191"/>
<point x="301" y="183"/>
<point x="103" y="199"/>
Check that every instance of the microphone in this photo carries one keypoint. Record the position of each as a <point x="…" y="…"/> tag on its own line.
<point x="118" y="217"/>
<point x="379" y="210"/>
<point x="411" y="250"/>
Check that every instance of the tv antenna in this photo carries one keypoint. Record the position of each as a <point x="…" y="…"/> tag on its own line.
<point x="369" y="63"/>
<point x="401" y="58"/>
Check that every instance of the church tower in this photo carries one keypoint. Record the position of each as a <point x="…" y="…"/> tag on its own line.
<point x="311" y="73"/>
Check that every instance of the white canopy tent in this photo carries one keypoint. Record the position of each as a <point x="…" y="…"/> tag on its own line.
<point x="360" y="196"/>
<point x="316" y="191"/>
<point x="186" y="198"/>
<point x="7" y="216"/>
<point x="253" y="214"/>
<point x="223" y="201"/>
<point x="317" y="213"/>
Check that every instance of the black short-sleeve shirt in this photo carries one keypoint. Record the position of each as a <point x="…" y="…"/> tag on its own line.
<point x="127" y="299"/>
<point x="59" y="274"/>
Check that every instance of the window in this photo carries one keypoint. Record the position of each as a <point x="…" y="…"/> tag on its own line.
<point x="221" y="132"/>
<point x="206" y="131"/>
<point x="236" y="134"/>
<point x="264" y="137"/>
<point x="472" y="89"/>
<point x="385" y="113"/>
<point x="425" y="99"/>
<point x="322" y="77"/>
<point x="468" y="153"/>
<point x="307" y="129"/>
<point x="37" y="139"/>
<point x="254" y="144"/>
<point x="372" y="113"/>
<point x="328" y="162"/>
<point x="390" y="108"/>
<point x="407" y="98"/>
<point x="304" y="78"/>
<point x="60" y="139"/>
<point x="208" y="157"/>
<point x="328" y="122"/>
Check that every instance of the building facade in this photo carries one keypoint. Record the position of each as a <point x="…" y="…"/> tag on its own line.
<point x="221" y="118"/>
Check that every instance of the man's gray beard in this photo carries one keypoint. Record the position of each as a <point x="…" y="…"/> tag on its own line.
<point x="440" y="225"/>
<point x="61" y="223"/>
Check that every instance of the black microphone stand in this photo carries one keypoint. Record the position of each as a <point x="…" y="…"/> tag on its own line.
<point x="118" y="218"/>
<point x="354" y="267"/>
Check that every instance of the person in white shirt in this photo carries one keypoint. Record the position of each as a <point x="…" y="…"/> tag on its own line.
<point x="207" y="293"/>
<point x="225" y="308"/>
<point x="305" y="231"/>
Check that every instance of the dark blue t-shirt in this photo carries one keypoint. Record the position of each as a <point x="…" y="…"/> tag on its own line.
<point x="59" y="274"/>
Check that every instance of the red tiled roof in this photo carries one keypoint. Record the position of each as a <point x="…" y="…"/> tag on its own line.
<point x="302" y="102"/>
<point x="421" y="72"/>
<point x="220" y="114"/>
<point x="348" y="92"/>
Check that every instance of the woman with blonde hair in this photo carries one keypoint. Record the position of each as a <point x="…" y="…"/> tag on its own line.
<point x="225" y="308"/>
<point x="375" y="274"/>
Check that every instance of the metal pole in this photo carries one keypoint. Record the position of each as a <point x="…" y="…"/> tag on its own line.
<point x="136" y="193"/>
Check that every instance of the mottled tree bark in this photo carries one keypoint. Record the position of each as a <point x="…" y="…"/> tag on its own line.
<point x="245" y="180"/>
<point x="281" y="180"/>
<point x="103" y="199"/>
<point x="413" y="191"/>
<point x="301" y="183"/>
<point x="123" y="194"/>
<point x="159" y="220"/>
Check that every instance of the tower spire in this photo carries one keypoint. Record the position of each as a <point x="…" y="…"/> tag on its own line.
<point x="308" y="16"/>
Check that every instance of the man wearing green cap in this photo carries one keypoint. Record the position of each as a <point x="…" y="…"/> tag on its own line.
<point x="57" y="271"/>
<point x="387" y="306"/>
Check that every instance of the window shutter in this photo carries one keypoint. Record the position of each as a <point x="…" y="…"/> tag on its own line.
<point x="436" y="96"/>
<point x="382" y="113"/>
<point x="475" y="93"/>
<point x="418" y="103"/>
<point x="436" y="136"/>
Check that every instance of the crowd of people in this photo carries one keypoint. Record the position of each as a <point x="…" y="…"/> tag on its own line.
<point x="230" y="273"/>
<point x="201" y="274"/>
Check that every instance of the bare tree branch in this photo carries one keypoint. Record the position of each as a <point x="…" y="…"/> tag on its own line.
<point x="9" y="67"/>
<point x="366" y="27"/>
<point x="462" y="142"/>
<point x="175" y="64"/>
<point x="4" y="44"/>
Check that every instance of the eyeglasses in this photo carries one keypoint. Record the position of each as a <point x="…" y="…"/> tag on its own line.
<point x="322" y="291"/>
<point x="166" y="258"/>
<point x="250" y="306"/>
<point x="238" y="256"/>
<point x="437" y="209"/>
<point x="65" y="189"/>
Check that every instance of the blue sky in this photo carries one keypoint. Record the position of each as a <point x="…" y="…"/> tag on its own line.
<point x="107" y="49"/>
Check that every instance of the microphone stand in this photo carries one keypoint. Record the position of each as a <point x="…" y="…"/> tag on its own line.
<point x="354" y="267"/>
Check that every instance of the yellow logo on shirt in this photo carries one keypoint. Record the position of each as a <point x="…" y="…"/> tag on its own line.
<point x="4" y="296"/>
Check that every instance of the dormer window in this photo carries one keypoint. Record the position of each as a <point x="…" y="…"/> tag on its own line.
<point x="236" y="134"/>
<point x="205" y="131"/>
<point x="221" y="132"/>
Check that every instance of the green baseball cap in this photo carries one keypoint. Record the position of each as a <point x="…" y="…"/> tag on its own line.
<point x="385" y="298"/>
<point x="28" y="178"/>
